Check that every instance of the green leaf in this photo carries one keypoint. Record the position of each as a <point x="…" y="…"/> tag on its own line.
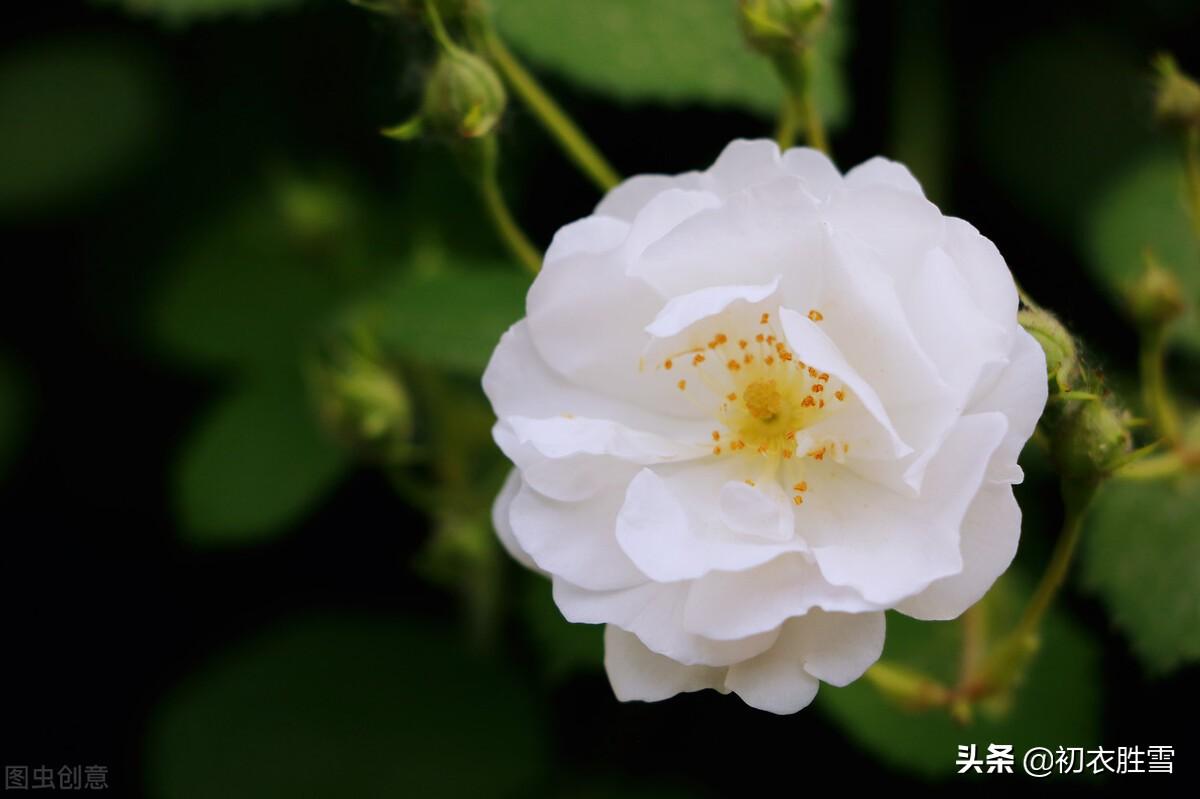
<point x="12" y="413"/>
<point x="668" y="51"/>
<point x="565" y="648"/>
<point x="77" y="114"/>
<point x="1145" y="208"/>
<point x="1057" y="116"/>
<point x="449" y="319"/>
<point x="1057" y="704"/>
<point x="186" y="11"/>
<point x="256" y="462"/>
<point x="347" y="707"/>
<point x="1141" y="554"/>
<point x="246" y="289"/>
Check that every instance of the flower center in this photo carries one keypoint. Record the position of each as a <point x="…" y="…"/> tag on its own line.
<point x="762" y="398"/>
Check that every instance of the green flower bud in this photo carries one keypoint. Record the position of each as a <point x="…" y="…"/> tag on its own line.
<point x="361" y="398"/>
<point x="464" y="97"/>
<point x="1177" y="99"/>
<point x="776" y="27"/>
<point x="1156" y="297"/>
<point x="1062" y="359"/>
<point x="1089" y="440"/>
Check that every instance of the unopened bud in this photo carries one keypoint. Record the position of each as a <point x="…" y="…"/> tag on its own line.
<point x="361" y="398"/>
<point x="1156" y="297"/>
<point x="1090" y="440"/>
<point x="1177" y="99"/>
<point x="464" y="97"/>
<point x="775" y="27"/>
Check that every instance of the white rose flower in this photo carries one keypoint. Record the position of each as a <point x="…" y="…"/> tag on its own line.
<point x="754" y="407"/>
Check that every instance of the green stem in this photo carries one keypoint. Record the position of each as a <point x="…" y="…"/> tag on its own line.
<point x="502" y="219"/>
<point x="572" y="140"/>
<point x="814" y="127"/>
<point x="439" y="28"/>
<point x="1154" y="383"/>
<point x="1076" y="498"/>
<point x="785" y="132"/>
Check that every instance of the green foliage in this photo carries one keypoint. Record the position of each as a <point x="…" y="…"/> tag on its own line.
<point x="1057" y="117"/>
<point x="565" y="647"/>
<point x="1144" y="209"/>
<point x="1058" y="702"/>
<point x="186" y="11"/>
<point x="78" y="112"/>
<point x="452" y="318"/>
<point x="255" y="463"/>
<point x="244" y="291"/>
<point x="668" y="51"/>
<point x="1141" y="554"/>
<point x="12" y="412"/>
<point x="347" y="707"/>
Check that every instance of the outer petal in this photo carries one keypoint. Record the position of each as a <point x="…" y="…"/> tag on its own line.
<point x="632" y="194"/>
<point x="742" y="164"/>
<point x="835" y="647"/>
<point x="1020" y="393"/>
<point x="990" y="532"/>
<point x="512" y="486"/>
<point x="890" y="547"/>
<point x="774" y="681"/>
<point x="636" y="673"/>
<point x="725" y="605"/>
<point x="880" y="171"/>
<point x="574" y="540"/>
<point x="674" y="528"/>
<point x="654" y="613"/>
<point x="818" y="174"/>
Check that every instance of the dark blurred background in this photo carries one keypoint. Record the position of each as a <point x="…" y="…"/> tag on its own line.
<point x="135" y="148"/>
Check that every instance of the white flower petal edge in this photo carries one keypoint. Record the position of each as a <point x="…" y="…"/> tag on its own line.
<point x="754" y="407"/>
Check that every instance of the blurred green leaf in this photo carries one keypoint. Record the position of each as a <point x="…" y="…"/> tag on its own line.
<point x="1143" y="209"/>
<point x="669" y="51"/>
<point x="450" y="319"/>
<point x="1141" y="554"/>
<point x="246" y="288"/>
<point x="1057" y="704"/>
<point x="77" y="113"/>
<point x="1058" y="116"/>
<point x="12" y="412"/>
<point x="348" y="707"/>
<point x="565" y="647"/>
<point x="185" y="11"/>
<point x="256" y="462"/>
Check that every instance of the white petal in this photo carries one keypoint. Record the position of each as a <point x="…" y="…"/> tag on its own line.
<point x="990" y="532"/>
<point x="632" y="195"/>
<point x="574" y="540"/>
<point x="774" y="681"/>
<point x="744" y="163"/>
<point x="568" y="479"/>
<point x="887" y="546"/>
<point x="637" y="674"/>
<point x="684" y="311"/>
<point x="880" y="171"/>
<point x="662" y="214"/>
<point x="501" y="524"/>
<point x="559" y="437"/>
<point x="895" y="223"/>
<point x="592" y="234"/>
<point x="757" y="511"/>
<point x="835" y="647"/>
<point x="725" y="605"/>
<point x="672" y="528"/>
<point x="821" y="178"/>
<point x="1020" y="393"/>
<point x="755" y="235"/>
<point x="984" y="269"/>
<point x="654" y="613"/>
<point x="812" y="346"/>
<point x="519" y="382"/>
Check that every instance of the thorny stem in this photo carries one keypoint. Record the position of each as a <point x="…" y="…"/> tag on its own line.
<point x="569" y="136"/>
